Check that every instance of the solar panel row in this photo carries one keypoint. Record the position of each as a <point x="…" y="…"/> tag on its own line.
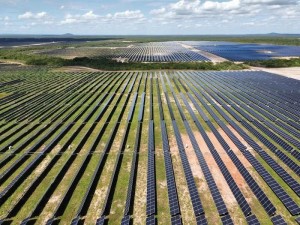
<point x="151" y="178"/>
<point x="196" y="202"/>
<point x="111" y="187"/>
<point x="279" y="191"/>
<point x="281" y="172"/>
<point x="246" y="52"/>
<point x="272" y="147"/>
<point x="221" y="207"/>
<point x="278" y="220"/>
<point x="42" y="202"/>
<point x="251" y="182"/>
<point x="159" y="52"/>
<point x="230" y="181"/>
<point x="171" y="185"/>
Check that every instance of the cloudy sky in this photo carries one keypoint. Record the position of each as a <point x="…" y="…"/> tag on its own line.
<point x="104" y="17"/>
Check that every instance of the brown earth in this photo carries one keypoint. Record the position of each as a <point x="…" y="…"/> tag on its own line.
<point x="75" y="69"/>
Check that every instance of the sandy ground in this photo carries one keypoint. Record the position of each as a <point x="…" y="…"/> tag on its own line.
<point x="218" y="176"/>
<point x="216" y="172"/>
<point x="12" y="62"/>
<point x="196" y="169"/>
<point x="75" y="69"/>
<point x="212" y="57"/>
<point x="289" y="57"/>
<point x="291" y="72"/>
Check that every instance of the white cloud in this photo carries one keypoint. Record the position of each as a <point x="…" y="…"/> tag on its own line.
<point x="227" y="14"/>
<point x="222" y="6"/>
<point x="157" y="11"/>
<point x="184" y="7"/>
<point x="272" y="2"/>
<point x="30" y="15"/>
<point x="69" y="20"/>
<point x="127" y="15"/>
<point x="213" y="8"/>
<point x="84" y="18"/>
<point x="92" y="18"/>
<point x="62" y="7"/>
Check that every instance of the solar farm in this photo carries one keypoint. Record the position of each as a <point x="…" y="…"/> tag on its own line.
<point x="184" y="51"/>
<point x="247" y="52"/>
<point x="146" y="52"/>
<point x="151" y="147"/>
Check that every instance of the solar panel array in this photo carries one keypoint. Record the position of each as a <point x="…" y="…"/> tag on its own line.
<point x="160" y="52"/>
<point x="141" y="147"/>
<point x="246" y="52"/>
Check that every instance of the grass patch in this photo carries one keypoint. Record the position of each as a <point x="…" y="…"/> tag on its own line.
<point x="275" y="63"/>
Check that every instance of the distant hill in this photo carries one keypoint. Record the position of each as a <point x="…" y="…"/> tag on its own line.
<point x="283" y="35"/>
<point x="67" y="35"/>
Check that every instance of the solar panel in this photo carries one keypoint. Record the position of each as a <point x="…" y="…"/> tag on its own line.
<point x="151" y="178"/>
<point x="247" y="52"/>
<point x="130" y="115"/>
<point x="126" y="220"/>
<point x="289" y="162"/>
<point x="160" y="52"/>
<point x="171" y="185"/>
<point x="201" y="220"/>
<point x="208" y="176"/>
<point x="252" y="220"/>
<point x="278" y="220"/>
<point x="226" y="220"/>
<point x="278" y="169"/>
<point x="176" y="220"/>
<point x="281" y="194"/>
<point x="196" y="202"/>
<point x="151" y="220"/>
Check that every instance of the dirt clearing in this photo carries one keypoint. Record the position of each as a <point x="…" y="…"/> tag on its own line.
<point x="291" y="72"/>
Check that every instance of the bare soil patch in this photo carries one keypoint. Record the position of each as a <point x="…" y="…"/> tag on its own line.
<point x="291" y="72"/>
<point x="212" y="57"/>
<point x="75" y="69"/>
<point x="230" y="165"/>
<point x="216" y="173"/>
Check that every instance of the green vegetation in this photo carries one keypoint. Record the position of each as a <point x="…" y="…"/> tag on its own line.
<point x="262" y="39"/>
<point x="101" y="63"/>
<point x="275" y="63"/>
<point x="107" y="64"/>
<point x="259" y="40"/>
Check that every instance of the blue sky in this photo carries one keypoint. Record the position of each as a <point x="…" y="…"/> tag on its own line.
<point x="129" y="17"/>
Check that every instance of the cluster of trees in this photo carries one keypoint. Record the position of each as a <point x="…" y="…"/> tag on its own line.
<point x="276" y="63"/>
<point x="107" y="64"/>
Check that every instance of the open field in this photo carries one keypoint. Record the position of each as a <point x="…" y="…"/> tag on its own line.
<point x="150" y="147"/>
<point x="291" y="72"/>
